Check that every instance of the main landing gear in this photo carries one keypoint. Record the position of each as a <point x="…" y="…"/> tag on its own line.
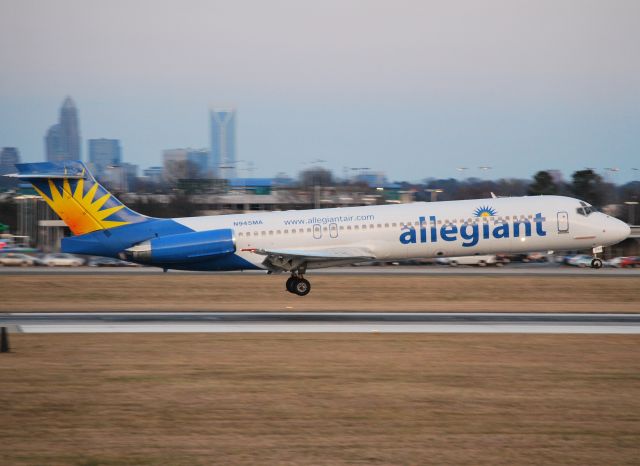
<point x="296" y="284"/>
<point x="595" y="262"/>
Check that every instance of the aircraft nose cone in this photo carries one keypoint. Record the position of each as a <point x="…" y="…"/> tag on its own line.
<point x="617" y="229"/>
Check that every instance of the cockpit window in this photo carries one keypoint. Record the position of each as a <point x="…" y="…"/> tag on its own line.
<point x="586" y="209"/>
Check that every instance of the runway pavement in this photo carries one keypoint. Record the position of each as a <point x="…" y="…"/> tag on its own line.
<point x="334" y="322"/>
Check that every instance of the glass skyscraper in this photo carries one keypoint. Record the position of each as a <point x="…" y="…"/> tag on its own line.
<point x="62" y="141"/>
<point x="104" y="153"/>
<point x="223" y="142"/>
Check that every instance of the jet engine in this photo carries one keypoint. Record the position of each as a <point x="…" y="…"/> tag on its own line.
<point x="184" y="247"/>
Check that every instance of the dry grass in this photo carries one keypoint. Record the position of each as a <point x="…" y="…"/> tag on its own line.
<point x="351" y="292"/>
<point x="320" y="399"/>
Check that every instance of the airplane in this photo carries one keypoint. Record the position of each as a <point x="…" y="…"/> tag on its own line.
<point x="296" y="241"/>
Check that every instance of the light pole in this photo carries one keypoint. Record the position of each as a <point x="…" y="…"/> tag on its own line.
<point x="462" y="169"/>
<point x="612" y="171"/>
<point x="484" y="170"/>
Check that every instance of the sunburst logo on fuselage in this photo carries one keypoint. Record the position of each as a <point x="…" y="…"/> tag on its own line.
<point x="485" y="211"/>
<point x="78" y="210"/>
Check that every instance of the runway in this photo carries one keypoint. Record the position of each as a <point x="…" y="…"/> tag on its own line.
<point x="334" y="322"/>
<point x="516" y="269"/>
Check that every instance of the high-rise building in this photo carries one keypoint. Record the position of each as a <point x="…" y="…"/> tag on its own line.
<point x="104" y="153"/>
<point x="9" y="156"/>
<point x="223" y="142"/>
<point x="52" y="144"/>
<point x="62" y="141"/>
<point x="185" y="164"/>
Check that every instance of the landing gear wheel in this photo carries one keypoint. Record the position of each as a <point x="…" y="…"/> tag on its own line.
<point x="291" y="283"/>
<point x="302" y="287"/>
<point x="596" y="263"/>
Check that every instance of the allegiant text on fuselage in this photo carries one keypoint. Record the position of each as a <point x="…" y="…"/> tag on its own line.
<point x="471" y="233"/>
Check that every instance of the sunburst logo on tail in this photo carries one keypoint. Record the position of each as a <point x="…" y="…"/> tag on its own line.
<point x="485" y="211"/>
<point x="81" y="212"/>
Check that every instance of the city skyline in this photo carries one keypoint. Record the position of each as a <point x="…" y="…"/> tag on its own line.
<point x="414" y="89"/>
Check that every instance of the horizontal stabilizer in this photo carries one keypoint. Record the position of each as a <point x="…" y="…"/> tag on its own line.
<point x="51" y="170"/>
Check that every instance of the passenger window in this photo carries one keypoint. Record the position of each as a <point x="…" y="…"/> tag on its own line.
<point x="278" y="232"/>
<point x="386" y="225"/>
<point x="255" y="233"/>
<point x="379" y="225"/>
<point x="286" y="232"/>
<point x="394" y="225"/>
<point x="356" y="227"/>
<point x="348" y="227"/>
<point x="264" y="233"/>
<point x="271" y="232"/>
<point x="341" y="227"/>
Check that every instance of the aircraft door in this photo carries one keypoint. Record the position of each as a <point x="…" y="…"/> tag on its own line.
<point x="333" y="230"/>
<point x="563" y="222"/>
<point x="317" y="231"/>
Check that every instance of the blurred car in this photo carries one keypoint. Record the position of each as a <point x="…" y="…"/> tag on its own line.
<point x="480" y="261"/>
<point x="15" y="258"/>
<point x="564" y="259"/>
<point x="525" y="258"/>
<point x="580" y="260"/>
<point x="626" y="262"/>
<point x="62" y="259"/>
<point x="536" y="257"/>
<point x="615" y="262"/>
<point x="109" y="262"/>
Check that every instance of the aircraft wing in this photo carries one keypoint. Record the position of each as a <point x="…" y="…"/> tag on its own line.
<point x="290" y="259"/>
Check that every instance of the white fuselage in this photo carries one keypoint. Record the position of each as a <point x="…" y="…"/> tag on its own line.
<point x="423" y="230"/>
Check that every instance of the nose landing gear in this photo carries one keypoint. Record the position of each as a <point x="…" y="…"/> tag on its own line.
<point x="595" y="262"/>
<point x="296" y="284"/>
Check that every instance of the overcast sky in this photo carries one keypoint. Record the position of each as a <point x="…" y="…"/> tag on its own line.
<point x="411" y="88"/>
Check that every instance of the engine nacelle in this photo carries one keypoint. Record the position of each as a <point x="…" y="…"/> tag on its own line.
<point x="184" y="247"/>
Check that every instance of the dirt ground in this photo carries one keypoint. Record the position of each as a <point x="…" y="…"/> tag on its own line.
<point x="178" y="292"/>
<point x="320" y="399"/>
